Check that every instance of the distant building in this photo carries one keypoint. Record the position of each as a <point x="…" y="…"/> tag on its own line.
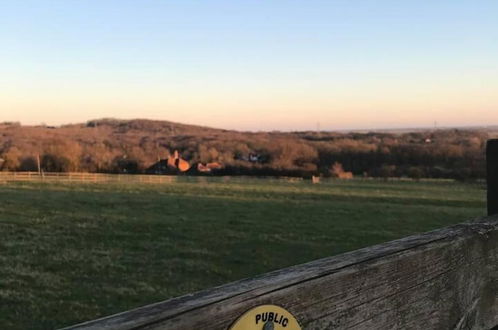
<point x="203" y="168"/>
<point x="254" y="158"/>
<point x="209" y="167"/>
<point x="171" y="165"/>
<point x="214" y="166"/>
<point x="177" y="162"/>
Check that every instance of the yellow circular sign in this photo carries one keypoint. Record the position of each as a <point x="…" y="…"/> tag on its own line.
<point x="266" y="317"/>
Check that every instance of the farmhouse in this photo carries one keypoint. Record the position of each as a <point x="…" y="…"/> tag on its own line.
<point x="173" y="164"/>
<point x="209" y="167"/>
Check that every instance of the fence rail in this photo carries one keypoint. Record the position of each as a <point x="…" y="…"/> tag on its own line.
<point x="126" y="178"/>
<point x="159" y="179"/>
<point x="84" y="177"/>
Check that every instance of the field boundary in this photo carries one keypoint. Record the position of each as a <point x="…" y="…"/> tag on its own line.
<point x="81" y="177"/>
<point x="444" y="279"/>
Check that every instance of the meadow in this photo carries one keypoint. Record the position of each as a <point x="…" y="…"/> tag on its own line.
<point x="74" y="252"/>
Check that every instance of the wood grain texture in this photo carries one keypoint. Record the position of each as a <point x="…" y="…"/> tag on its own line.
<point x="445" y="279"/>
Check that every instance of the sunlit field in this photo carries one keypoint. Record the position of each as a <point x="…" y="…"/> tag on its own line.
<point x="75" y="252"/>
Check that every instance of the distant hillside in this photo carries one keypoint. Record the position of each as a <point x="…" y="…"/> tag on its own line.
<point x="133" y="146"/>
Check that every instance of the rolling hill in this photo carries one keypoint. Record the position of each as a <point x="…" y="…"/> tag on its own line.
<point x="132" y="146"/>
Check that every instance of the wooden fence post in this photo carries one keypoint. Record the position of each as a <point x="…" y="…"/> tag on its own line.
<point x="492" y="176"/>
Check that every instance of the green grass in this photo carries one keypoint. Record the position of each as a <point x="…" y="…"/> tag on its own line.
<point x="74" y="252"/>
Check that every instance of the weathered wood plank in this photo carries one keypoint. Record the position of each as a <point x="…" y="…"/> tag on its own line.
<point x="445" y="279"/>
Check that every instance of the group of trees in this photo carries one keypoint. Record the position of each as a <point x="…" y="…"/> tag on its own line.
<point x="133" y="146"/>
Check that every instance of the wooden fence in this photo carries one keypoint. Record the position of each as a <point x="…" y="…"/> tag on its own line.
<point x="444" y="279"/>
<point x="127" y="178"/>
<point x="84" y="177"/>
<point x="79" y="177"/>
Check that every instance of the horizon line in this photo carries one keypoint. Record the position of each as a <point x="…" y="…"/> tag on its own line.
<point x="357" y="129"/>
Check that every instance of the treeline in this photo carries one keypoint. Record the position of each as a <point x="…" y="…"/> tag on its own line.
<point x="134" y="146"/>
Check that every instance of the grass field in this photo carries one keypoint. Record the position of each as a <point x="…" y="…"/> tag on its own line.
<point x="74" y="252"/>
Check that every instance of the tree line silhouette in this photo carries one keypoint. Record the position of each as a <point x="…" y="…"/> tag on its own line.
<point x="134" y="146"/>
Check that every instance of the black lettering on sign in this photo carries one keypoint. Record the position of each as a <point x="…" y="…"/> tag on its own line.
<point x="272" y="317"/>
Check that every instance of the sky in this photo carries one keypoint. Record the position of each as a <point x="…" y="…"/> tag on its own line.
<point x="251" y="65"/>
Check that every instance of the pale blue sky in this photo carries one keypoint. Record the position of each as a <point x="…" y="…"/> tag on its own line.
<point x="251" y="64"/>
